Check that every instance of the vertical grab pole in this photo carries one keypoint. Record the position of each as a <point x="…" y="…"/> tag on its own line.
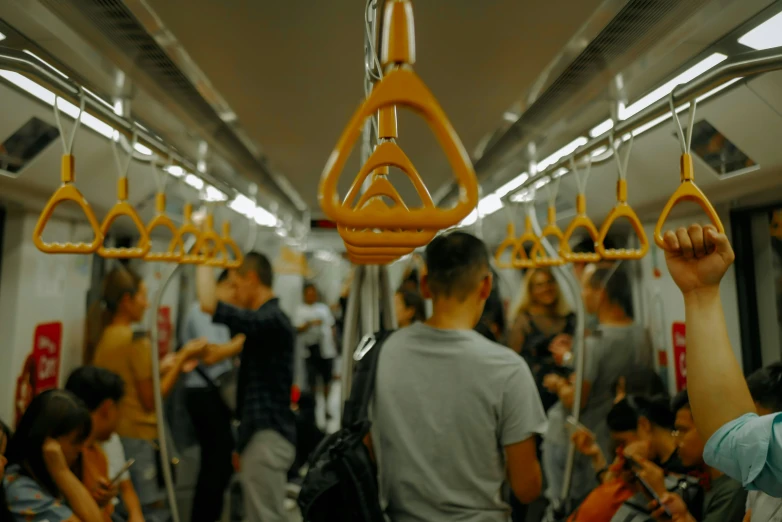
<point x="159" y="414"/>
<point x="578" y="343"/>
<point x="351" y="333"/>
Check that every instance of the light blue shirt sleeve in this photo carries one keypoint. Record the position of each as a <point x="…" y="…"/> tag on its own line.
<point x="749" y="449"/>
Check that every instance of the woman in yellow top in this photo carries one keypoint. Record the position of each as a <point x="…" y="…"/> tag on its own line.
<point x="112" y="344"/>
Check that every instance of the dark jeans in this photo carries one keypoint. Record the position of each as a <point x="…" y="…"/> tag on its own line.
<point x="212" y="423"/>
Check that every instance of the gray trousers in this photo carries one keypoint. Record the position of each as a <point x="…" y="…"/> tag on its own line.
<point x="554" y="464"/>
<point x="264" y="475"/>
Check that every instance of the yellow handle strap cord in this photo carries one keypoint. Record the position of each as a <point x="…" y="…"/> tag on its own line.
<point x="539" y="255"/>
<point x="581" y="220"/>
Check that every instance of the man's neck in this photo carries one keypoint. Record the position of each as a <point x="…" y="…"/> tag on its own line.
<point x="264" y="296"/>
<point x="451" y="315"/>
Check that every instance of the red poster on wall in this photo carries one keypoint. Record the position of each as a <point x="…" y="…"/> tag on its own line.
<point x="164" y="328"/>
<point x="41" y="369"/>
<point x="680" y="355"/>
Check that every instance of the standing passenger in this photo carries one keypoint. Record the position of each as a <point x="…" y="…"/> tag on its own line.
<point x="315" y="326"/>
<point x="210" y="415"/>
<point x="117" y="348"/>
<point x="267" y="430"/>
<point x="455" y="415"/>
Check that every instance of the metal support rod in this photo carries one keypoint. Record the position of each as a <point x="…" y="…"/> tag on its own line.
<point x="742" y="65"/>
<point x="350" y="334"/>
<point x="567" y="273"/>
<point x="158" y="395"/>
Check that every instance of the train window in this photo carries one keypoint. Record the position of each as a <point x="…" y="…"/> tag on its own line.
<point x="721" y="154"/>
<point x="25" y="144"/>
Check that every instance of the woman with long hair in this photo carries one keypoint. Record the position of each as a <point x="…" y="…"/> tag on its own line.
<point x="39" y="482"/>
<point x="542" y="316"/>
<point x="112" y="344"/>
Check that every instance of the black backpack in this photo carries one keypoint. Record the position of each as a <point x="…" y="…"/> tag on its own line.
<point x="341" y="483"/>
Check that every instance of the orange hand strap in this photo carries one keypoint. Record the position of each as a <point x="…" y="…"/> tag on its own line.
<point x="230" y="244"/>
<point x="539" y="254"/>
<point x="175" y="247"/>
<point x="401" y="86"/>
<point x="508" y="242"/>
<point x="622" y="210"/>
<point x="520" y="257"/>
<point x="67" y="192"/>
<point x="210" y="246"/>
<point x="688" y="190"/>
<point x="193" y="257"/>
<point x="580" y="221"/>
<point x="123" y="208"/>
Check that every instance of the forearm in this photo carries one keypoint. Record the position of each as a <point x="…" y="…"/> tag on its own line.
<point x="717" y="389"/>
<point x="79" y="499"/>
<point x="131" y="501"/>
<point x="220" y="352"/>
<point x="206" y="289"/>
<point x="169" y="378"/>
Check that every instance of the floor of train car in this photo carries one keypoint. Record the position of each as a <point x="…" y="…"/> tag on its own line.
<point x="189" y="462"/>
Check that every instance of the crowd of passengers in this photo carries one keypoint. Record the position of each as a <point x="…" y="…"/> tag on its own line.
<point x="472" y="411"/>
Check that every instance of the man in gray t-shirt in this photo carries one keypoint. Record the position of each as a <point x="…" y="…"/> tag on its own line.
<point x="454" y="414"/>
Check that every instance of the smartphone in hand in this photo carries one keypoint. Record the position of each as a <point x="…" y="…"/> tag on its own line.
<point x="122" y="471"/>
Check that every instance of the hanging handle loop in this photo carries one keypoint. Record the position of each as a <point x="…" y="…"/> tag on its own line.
<point x="67" y="192"/>
<point x="581" y="220"/>
<point x="123" y="208"/>
<point x="539" y="255"/>
<point x="229" y="243"/>
<point x="510" y="240"/>
<point x="209" y="245"/>
<point x="520" y="257"/>
<point x="687" y="190"/>
<point x="175" y="248"/>
<point x="622" y="210"/>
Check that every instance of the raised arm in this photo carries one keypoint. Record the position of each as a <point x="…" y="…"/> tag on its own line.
<point x="206" y="288"/>
<point x="697" y="259"/>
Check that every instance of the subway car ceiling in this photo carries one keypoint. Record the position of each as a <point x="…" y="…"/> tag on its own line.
<point x="284" y="90"/>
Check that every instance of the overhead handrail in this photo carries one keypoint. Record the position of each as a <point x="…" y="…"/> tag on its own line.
<point x="231" y="245"/>
<point x="399" y="87"/>
<point x="539" y="254"/>
<point x="520" y="259"/>
<point x="581" y="220"/>
<point x="622" y="210"/>
<point x="176" y="248"/>
<point x="123" y="208"/>
<point x="688" y="190"/>
<point x="67" y="192"/>
<point x="509" y="242"/>
<point x="210" y="246"/>
<point x="191" y="257"/>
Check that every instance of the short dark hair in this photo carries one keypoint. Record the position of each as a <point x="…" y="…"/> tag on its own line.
<point x="308" y="285"/>
<point x="455" y="264"/>
<point x="223" y="276"/>
<point x="624" y="414"/>
<point x="260" y="264"/>
<point x="416" y="302"/>
<point x="93" y="385"/>
<point x="679" y="401"/>
<point x="765" y="386"/>
<point x="616" y="283"/>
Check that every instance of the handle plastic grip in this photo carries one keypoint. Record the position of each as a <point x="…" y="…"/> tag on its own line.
<point x="175" y="247"/>
<point x="580" y="221"/>
<point x="193" y="257"/>
<point x="211" y="256"/>
<point x="539" y="255"/>
<point x="231" y="245"/>
<point x="67" y="192"/>
<point x="622" y="210"/>
<point x="508" y="242"/>
<point x="123" y="208"/>
<point x="400" y="87"/>
<point x="520" y="258"/>
<point x="687" y="191"/>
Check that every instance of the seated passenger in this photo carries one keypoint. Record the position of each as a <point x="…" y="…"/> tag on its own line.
<point x="743" y="445"/>
<point x="542" y="316"/>
<point x="409" y="307"/>
<point x="724" y="500"/>
<point x="101" y="391"/>
<point x="617" y="346"/>
<point x="117" y="348"/>
<point x="454" y="415"/>
<point x="39" y="484"/>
